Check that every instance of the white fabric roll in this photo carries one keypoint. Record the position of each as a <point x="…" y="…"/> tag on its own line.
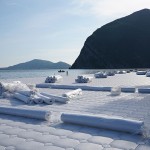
<point x="141" y="72"/>
<point x="44" y="85"/>
<point x="115" y="91"/>
<point x="36" y="99"/>
<point x="128" y="89"/>
<point x="72" y="94"/>
<point x="2" y="87"/>
<point x="83" y="87"/>
<point x="148" y="74"/>
<point x="57" y="98"/>
<point x="81" y="76"/>
<point x="36" y="114"/>
<point x="100" y="75"/>
<point x="23" y="98"/>
<point x="26" y="93"/>
<point x="46" y="99"/>
<point x="144" y="90"/>
<point x="122" y="72"/>
<point x="105" y="122"/>
<point x="7" y="95"/>
<point x="110" y="73"/>
<point x="73" y="87"/>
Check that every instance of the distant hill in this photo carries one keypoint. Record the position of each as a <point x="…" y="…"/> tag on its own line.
<point x="123" y="43"/>
<point x="38" y="64"/>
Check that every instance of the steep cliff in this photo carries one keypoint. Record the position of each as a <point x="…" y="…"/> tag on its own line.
<point x="123" y="43"/>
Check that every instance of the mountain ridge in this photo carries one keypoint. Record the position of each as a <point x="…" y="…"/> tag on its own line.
<point x="38" y="64"/>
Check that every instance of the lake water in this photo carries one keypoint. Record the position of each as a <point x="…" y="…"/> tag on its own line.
<point x="12" y="74"/>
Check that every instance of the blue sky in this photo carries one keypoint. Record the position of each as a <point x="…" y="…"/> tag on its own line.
<point x="54" y="30"/>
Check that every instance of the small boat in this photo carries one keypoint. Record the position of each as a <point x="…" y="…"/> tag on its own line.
<point x="61" y="71"/>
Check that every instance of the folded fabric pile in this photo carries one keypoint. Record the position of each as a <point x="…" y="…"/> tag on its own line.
<point x="54" y="79"/>
<point x="22" y="92"/>
<point x="100" y="75"/>
<point x="13" y="87"/>
<point x="73" y="93"/>
<point x="83" y="79"/>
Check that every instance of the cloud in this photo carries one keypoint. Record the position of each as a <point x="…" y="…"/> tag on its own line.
<point x="109" y="8"/>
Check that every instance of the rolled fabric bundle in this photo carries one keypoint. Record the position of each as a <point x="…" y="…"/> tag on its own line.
<point x="148" y="74"/>
<point x="79" y="81"/>
<point x="96" y="88"/>
<point x="26" y="93"/>
<point x="28" y="113"/>
<point x="110" y="73"/>
<point x="7" y="95"/>
<point x="60" y="99"/>
<point x="72" y="94"/>
<point x="117" y="71"/>
<point x="53" y="79"/>
<point x="46" y="99"/>
<point x="73" y="87"/>
<point x="2" y="87"/>
<point x="23" y="98"/>
<point x="88" y="79"/>
<point x="83" y="87"/>
<point x="36" y="99"/>
<point x="141" y="72"/>
<point x="104" y="122"/>
<point x="47" y="80"/>
<point x="122" y="72"/>
<point x="115" y="91"/>
<point x="63" y="86"/>
<point x="100" y="75"/>
<point x="83" y="79"/>
<point x="81" y="76"/>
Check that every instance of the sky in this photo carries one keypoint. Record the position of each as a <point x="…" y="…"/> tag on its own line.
<point x="54" y="30"/>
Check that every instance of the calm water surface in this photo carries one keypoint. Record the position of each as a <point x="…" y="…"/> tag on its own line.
<point x="12" y="74"/>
